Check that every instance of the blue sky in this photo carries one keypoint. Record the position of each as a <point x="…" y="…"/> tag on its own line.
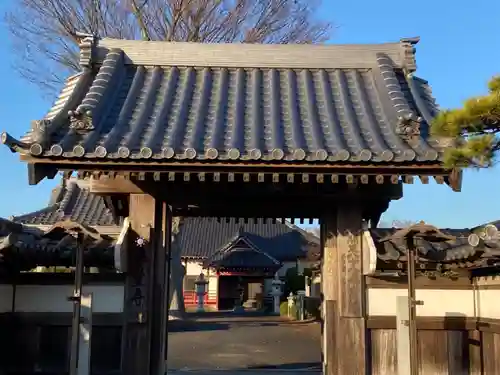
<point x="458" y="52"/>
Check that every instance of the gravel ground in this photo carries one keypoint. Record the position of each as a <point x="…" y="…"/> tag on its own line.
<point x="251" y="342"/>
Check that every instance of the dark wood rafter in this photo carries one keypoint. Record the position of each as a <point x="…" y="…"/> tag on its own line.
<point x="292" y="173"/>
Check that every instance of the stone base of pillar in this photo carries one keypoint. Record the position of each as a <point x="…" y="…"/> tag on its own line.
<point x="175" y="315"/>
<point x="239" y="309"/>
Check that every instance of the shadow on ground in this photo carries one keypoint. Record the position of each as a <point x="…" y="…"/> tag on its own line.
<point x="217" y="321"/>
<point x="289" y="366"/>
<point x="251" y="342"/>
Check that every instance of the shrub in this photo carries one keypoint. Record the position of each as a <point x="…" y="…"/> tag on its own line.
<point x="284" y="310"/>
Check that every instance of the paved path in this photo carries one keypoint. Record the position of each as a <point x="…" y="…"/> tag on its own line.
<point x="251" y="344"/>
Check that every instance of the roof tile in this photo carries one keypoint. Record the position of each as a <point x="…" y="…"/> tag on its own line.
<point x="342" y="110"/>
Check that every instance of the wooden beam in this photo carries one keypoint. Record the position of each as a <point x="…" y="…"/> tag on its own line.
<point x="117" y="185"/>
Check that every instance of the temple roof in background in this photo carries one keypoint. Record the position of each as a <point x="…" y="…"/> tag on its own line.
<point x="198" y="237"/>
<point x="161" y="101"/>
<point x="201" y="238"/>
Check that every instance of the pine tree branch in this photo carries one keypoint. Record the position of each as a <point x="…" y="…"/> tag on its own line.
<point x="475" y="127"/>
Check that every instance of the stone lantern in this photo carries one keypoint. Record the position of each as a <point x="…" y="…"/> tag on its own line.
<point x="276" y="293"/>
<point x="238" y="307"/>
<point x="201" y="290"/>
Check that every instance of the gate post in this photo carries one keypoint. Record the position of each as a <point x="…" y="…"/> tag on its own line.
<point x="345" y="344"/>
<point x="146" y="289"/>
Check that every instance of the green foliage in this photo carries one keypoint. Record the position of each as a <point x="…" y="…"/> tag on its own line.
<point x="474" y="127"/>
<point x="293" y="281"/>
<point x="284" y="309"/>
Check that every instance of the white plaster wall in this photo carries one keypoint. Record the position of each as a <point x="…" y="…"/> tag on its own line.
<point x="213" y="286"/>
<point x="488" y="303"/>
<point x="6" y="294"/>
<point x="53" y="298"/>
<point x="316" y="286"/>
<point x="382" y="301"/>
<point x="194" y="269"/>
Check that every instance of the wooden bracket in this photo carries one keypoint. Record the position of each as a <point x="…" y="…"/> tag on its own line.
<point x="37" y="172"/>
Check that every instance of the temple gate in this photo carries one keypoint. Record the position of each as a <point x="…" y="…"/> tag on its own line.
<point x="168" y="130"/>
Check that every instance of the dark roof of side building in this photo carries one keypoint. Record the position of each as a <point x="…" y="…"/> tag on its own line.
<point x="24" y="247"/>
<point x="162" y="101"/>
<point x="71" y="200"/>
<point x="445" y="255"/>
<point x="198" y="237"/>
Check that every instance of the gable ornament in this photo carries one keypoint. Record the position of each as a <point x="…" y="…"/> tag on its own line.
<point x="81" y="121"/>
<point x="408" y="127"/>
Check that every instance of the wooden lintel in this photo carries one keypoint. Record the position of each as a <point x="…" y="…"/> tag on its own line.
<point x="118" y="185"/>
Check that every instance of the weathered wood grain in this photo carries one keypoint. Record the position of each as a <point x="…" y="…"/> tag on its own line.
<point x="490" y="353"/>
<point x="330" y="339"/>
<point x="383" y="352"/>
<point x="343" y="282"/>
<point x="433" y="352"/>
<point x="458" y="352"/>
<point x="350" y="271"/>
<point x="329" y="291"/>
<point x="351" y="344"/>
<point x="475" y="352"/>
<point x="135" y="359"/>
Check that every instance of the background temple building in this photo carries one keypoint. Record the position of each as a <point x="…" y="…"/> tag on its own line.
<point x="231" y="253"/>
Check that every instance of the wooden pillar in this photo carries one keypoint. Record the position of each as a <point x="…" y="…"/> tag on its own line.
<point x="161" y="285"/>
<point x="345" y="343"/>
<point x="145" y="292"/>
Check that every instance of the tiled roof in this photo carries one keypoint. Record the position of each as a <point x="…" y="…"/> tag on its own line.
<point x="241" y="252"/>
<point x="243" y="258"/>
<point x="199" y="237"/>
<point x="203" y="237"/>
<point x="449" y="255"/>
<point x="163" y="101"/>
<point x="71" y="200"/>
<point x="27" y="247"/>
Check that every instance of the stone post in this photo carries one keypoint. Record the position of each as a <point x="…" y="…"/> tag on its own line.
<point x="239" y="303"/>
<point x="291" y="303"/>
<point x="300" y="304"/>
<point x="201" y="290"/>
<point x="276" y="292"/>
<point x="307" y="283"/>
